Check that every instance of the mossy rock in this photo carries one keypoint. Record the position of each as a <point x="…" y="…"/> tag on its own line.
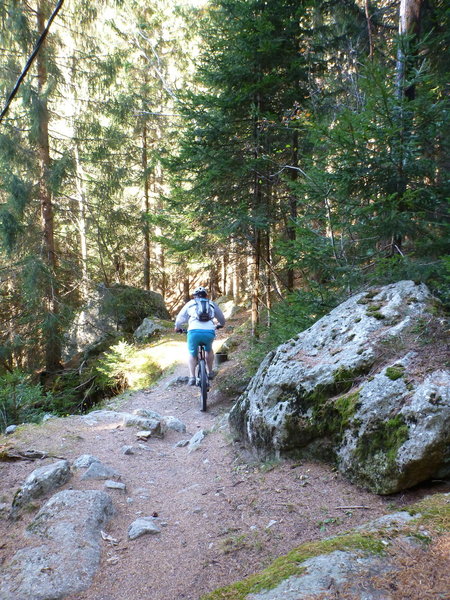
<point x="129" y="306"/>
<point x="395" y="372"/>
<point x="375" y="456"/>
<point x="432" y="512"/>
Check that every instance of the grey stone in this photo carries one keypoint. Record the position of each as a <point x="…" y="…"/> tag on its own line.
<point x="148" y="328"/>
<point x="10" y="429"/>
<point x="48" y="417"/>
<point x="65" y="552"/>
<point x="143" y="526"/>
<point x="176" y="381"/>
<point x="181" y="443"/>
<point x="98" y="470"/>
<point x="144" y="435"/>
<point x="115" y="485"/>
<point x="424" y="414"/>
<point x="155" y="426"/>
<point x="84" y="461"/>
<point x="42" y="481"/>
<point x="107" y="416"/>
<point x="127" y="450"/>
<point x="228" y="307"/>
<point x="393" y="520"/>
<point x="175" y="424"/>
<point x="326" y="394"/>
<point x="196" y="440"/>
<point x="142" y="418"/>
<point x="328" y="573"/>
<point x="147" y="413"/>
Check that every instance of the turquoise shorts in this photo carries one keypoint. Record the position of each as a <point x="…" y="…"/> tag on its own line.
<point x="200" y="336"/>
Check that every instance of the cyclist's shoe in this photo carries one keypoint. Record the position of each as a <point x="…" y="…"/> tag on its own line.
<point x="192" y="381"/>
<point x="211" y="375"/>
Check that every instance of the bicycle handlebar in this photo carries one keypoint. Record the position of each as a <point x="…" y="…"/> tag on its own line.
<point x="185" y="330"/>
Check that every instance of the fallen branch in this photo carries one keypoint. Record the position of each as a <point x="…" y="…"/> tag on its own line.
<point x="353" y="507"/>
<point x="9" y="454"/>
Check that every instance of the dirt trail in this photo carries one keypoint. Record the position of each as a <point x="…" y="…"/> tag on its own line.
<point x="224" y="518"/>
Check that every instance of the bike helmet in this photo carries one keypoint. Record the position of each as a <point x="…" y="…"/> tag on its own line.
<point x="201" y="292"/>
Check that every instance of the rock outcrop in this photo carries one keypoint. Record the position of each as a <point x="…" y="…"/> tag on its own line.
<point x="64" y="550"/>
<point x="347" y="390"/>
<point x="110" y="312"/>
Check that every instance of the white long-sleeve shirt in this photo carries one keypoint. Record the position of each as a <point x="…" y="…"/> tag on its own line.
<point x="188" y="314"/>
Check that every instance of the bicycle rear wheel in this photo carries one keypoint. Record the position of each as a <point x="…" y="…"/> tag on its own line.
<point x="203" y="383"/>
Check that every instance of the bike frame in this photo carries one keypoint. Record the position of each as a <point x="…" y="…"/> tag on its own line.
<point x="202" y="376"/>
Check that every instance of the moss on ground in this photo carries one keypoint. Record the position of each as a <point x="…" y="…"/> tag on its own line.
<point x="292" y="564"/>
<point x="433" y="512"/>
<point x="395" y="372"/>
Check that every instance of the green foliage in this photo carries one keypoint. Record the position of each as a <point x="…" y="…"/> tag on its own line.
<point x="112" y="367"/>
<point x="21" y="400"/>
<point x="123" y="367"/>
<point x="376" y="203"/>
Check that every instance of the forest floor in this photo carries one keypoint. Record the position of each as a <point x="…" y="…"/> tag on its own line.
<point x="225" y="516"/>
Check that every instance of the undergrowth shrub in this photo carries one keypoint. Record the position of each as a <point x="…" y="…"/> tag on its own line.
<point x="125" y="366"/>
<point x="21" y="399"/>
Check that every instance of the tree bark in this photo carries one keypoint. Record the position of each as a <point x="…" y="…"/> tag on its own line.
<point x="369" y="28"/>
<point x="52" y="339"/>
<point x="146" y="210"/>
<point x="409" y="27"/>
<point x="409" y="24"/>
<point x="291" y="235"/>
<point x="256" y="285"/>
<point x="81" y="224"/>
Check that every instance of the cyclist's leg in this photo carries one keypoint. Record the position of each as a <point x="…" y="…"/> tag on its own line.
<point x="192" y="344"/>
<point x="192" y="363"/>
<point x="210" y="360"/>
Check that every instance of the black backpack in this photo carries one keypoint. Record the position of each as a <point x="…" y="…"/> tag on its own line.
<point x="205" y="312"/>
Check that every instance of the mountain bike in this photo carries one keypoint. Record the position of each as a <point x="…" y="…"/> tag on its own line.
<point x="201" y="373"/>
<point x="202" y="377"/>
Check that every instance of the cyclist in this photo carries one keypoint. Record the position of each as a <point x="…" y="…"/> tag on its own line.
<point x="201" y="329"/>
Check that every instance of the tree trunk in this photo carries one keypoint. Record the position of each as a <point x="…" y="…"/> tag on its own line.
<point x="256" y="285"/>
<point x="52" y="339"/>
<point x="409" y="24"/>
<point x="146" y="227"/>
<point x="186" y="290"/>
<point x="225" y="262"/>
<point x="81" y="224"/>
<point x="369" y="28"/>
<point x="292" y="218"/>
<point x="214" y="290"/>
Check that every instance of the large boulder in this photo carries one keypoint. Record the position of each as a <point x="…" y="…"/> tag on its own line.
<point x="348" y="390"/>
<point x="63" y="550"/>
<point x="112" y="312"/>
<point x="148" y="328"/>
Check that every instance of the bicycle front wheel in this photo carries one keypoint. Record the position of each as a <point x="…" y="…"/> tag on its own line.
<point x="203" y="383"/>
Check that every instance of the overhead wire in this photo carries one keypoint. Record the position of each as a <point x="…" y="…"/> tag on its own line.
<point x="30" y="60"/>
